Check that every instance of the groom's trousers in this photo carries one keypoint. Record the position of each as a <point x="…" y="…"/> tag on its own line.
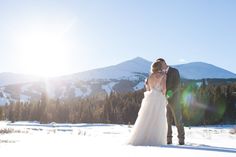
<point x="174" y="113"/>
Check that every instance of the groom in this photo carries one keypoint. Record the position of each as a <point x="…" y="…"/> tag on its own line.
<point x="174" y="110"/>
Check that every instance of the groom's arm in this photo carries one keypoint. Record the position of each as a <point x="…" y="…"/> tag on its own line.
<point x="176" y="80"/>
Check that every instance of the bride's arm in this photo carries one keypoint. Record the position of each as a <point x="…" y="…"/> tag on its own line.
<point x="163" y="84"/>
<point x="146" y="85"/>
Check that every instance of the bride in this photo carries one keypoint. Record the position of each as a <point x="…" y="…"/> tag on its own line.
<point x="150" y="128"/>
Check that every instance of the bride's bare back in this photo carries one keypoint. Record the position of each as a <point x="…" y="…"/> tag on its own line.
<point x="157" y="79"/>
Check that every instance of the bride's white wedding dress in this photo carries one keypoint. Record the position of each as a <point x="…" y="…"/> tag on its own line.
<point x="150" y="128"/>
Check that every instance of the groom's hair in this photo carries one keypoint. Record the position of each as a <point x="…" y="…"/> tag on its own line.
<point x="160" y="59"/>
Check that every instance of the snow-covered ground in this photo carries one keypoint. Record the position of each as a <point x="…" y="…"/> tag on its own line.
<point x="106" y="140"/>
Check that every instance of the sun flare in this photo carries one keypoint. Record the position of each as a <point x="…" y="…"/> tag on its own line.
<point x="43" y="53"/>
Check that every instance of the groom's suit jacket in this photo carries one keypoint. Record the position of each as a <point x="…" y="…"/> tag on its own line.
<point x="173" y="86"/>
<point x="174" y="111"/>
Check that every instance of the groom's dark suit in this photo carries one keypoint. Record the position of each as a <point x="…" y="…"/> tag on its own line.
<point x="174" y="109"/>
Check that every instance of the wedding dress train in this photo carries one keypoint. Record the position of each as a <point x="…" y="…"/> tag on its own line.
<point x="150" y="128"/>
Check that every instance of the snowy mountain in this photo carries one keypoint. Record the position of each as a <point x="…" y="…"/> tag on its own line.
<point x="125" y="77"/>
<point x="13" y="78"/>
<point x="200" y="70"/>
<point x="125" y="70"/>
<point x="137" y="66"/>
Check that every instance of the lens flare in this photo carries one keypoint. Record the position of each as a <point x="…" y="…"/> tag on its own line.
<point x="217" y="110"/>
<point x="193" y="110"/>
<point x="202" y="107"/>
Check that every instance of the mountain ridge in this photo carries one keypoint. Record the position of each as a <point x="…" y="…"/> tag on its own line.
<point x="201" y="70"/>
<point x="126" y="70"/>
<point x="125" y="77"/>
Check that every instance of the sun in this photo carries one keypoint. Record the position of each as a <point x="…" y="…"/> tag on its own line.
<point x="43" y="53"/>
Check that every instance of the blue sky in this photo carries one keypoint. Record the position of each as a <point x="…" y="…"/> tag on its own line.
<point x="57" y="37"/>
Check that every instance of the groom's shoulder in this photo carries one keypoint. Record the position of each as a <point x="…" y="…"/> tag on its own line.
<point x="173" y="69"/>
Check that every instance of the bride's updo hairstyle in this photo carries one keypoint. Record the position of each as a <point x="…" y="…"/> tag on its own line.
<point x="156" y="67"/>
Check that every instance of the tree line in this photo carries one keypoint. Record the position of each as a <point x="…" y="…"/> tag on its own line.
<point x="202" y="104"/>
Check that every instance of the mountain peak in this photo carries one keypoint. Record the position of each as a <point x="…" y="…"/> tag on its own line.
<point x="139" y="59"/>
<point x="136" y="60"/>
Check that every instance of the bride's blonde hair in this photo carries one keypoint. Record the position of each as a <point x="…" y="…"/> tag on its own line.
<point x="156" y="67"/>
